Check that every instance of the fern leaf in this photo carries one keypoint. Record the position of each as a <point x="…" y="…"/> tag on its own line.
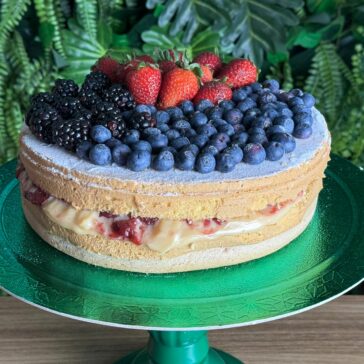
<point x="41" y="10"/>
<point x="87" y="16"/>
<point x="13" y="117"/>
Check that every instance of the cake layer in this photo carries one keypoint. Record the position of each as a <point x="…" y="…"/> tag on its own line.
<point x="178" y="194"/>
<point x="127" y="256"/>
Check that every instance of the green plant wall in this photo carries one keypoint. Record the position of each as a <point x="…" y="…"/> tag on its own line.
<point x="313" y="44"/>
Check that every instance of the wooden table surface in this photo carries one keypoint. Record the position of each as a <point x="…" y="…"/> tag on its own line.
<point x="333" y="333"/>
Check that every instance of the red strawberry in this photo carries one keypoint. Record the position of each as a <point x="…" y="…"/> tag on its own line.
<point x="239" y="72"/>
<point x="177" y="85"/>
<point x="206" y="74"/>
<point x="144" y="82"/>
<point x="208" y="59"/>
<point x="144" y="58"/>
<point x="108" y="66"/>
<point x="131" y="229"/>
<point x="165" y="65"/>
<point x="215" y="91"/>
<point x="36" y="195"/>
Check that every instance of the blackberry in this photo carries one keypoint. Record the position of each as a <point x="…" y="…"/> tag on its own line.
<point x="88" y="97"/>
<point x="113" y="121"/>
<point x="65" y="88"/>
<point x="120" y="97"/>
<point x="102" y="107"/>
<point x="84" y="114"/>
<point x="70" y="133"/>
<point x="40" y="120"/>
<point x="68" y="106"/>
<point x="141" y="120"/>
<point x="96" y="81"/>
<point x="43" y="98"/>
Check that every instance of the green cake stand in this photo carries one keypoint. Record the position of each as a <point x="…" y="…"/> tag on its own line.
<point x="178" y="309"/>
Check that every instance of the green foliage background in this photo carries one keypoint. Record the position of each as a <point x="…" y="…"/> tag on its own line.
<point x="317" y="45"/>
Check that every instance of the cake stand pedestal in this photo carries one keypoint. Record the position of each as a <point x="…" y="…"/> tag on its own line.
<point x="325" y="261"/>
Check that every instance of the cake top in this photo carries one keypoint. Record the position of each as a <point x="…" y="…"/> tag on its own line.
<point x="176" y="118"/>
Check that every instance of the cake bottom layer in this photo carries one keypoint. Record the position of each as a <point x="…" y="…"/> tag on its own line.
<point x="193" y="260"/>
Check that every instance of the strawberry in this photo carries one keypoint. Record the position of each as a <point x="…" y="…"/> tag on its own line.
<point x="215" y="91"/>
<point x="206" y="74"/>
<point x="178" y="84"/>
<point x="144" y="58"/>
<point x="107" y="65"/>
<point x="131" y="229"/>
<point x="165" y="65"/>
<point x="239" y="72"/>
<point x="144" y="82"/>
<point x="208" y="59"/>
<point x="123" y="69"/>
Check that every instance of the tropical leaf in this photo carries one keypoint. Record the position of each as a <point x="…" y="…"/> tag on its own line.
<point x="259" y="26"/>
<point x="87" y="16"/>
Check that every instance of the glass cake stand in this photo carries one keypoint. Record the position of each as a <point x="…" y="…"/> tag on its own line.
<point x="321" y="264"/>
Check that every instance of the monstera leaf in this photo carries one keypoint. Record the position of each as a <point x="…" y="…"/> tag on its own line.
<point x="185" y="16"/>
<point x="259" y="26"/>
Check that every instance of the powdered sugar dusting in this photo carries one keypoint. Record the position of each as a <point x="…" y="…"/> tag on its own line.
<point x="305" y="150"/>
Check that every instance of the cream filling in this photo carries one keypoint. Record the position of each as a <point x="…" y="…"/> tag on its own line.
<point x="162" y="236"/>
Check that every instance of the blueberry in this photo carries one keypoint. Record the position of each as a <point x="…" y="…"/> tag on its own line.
<point x="300" y="108"/>
<point x="238" y="128"/>
<point x="170" y="149"/>
<point x="285" y="112"/>
<point x="205" y="163"/>
<point x="113" y="142"/>
<point x="175" y="113"/>
<point x="100" y="134"/>
<point x="274" y="151"/>
<point x="189" y="133"/>
<point x="262" y="122"/>
<point x="275" y="129"/>
<point x="218" y="122"/>
<point x="236" y="152"/>
<point x="254" y="97"/>
<point x="273" y="85"/>
<point x="164" y="161"/>
<point x="257" y="138"/>
<point x="215" y="113"/>
<point x="233" y="116"/>
<point x="143" y="108"/>
<point x="239" y="95"/>
<point x="162" y="116"/>
<point x="179" y="142"/>
<point x="256" y="86"/>
<point x="139" y="160"/>
<point x="192" y="147"/>
<point x="141" y="145"/>
<point x="151" y="131"/>
<point x="198" y="119"/>
<point x="227" y="129"/>
<point x="286" y="122"/>
<point x="284" y="97"/>
<point x="223" y="137"/>
<point x="296" y="92"/>
<point x="266" y="98"/>
<point x="207" y="129"/>
<point x="131" y="136"/>
<point x="185" y="160"/>
<point x="241" y="139"/>
<point x="302" y="131"/>
<point x="225" y="162"/>
<point x="203" y="105"/>
<point x="254" y="153"/>
<point x="83" y="149"/>
<point x="181" y="124"/>
<point x="127" y="114"/>
<point x="172" y="134"/>
<point x="246" y="104"/>
<point x="199" y="140"/>
<point x="279" y="105"/>
<point x="100" y="154"/>
<point x="294" y="101"/>
<point x="303" y="117"/>
<point x="227" y="104"/>
<point x="187" y="107"/>
<point x="256" y="130"/>
<point x="162" y="127"/>
<point x="209" y="148"/>
<point x="286" y="140"/>
<point x="271" y="113"/>
<point x="152" y="109"/>
<point x="219" y="142"/>
<point x="264" y="91"/>
<point x="158" y="141"/>
<point x="308" y="100"/>
<point x="120" y="154"/>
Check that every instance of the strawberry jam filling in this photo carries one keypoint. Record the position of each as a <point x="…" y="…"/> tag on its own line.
<point x="158" y="234"/>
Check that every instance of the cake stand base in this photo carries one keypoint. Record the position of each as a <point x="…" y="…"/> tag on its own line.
<point x="178" y="347"/>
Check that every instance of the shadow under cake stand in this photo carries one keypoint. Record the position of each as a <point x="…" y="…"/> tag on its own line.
<point x="178" y="309"/>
